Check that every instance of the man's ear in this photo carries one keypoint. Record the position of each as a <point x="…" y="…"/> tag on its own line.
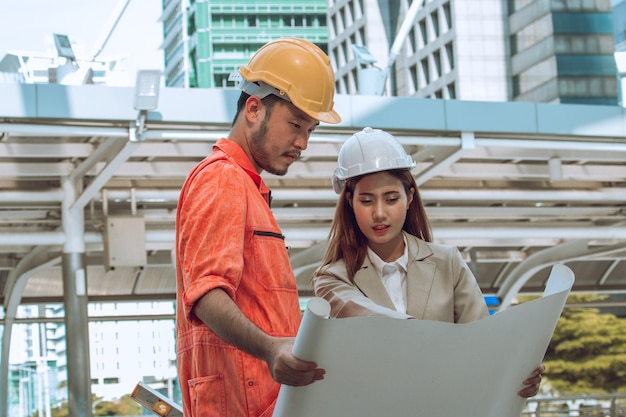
<point x="253" y="107"/>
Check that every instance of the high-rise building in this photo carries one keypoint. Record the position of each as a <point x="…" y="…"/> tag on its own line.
<point x="450" y="49"/>
<point x="562" y="51"/>
<point x="206" y="40"/>
<point x="490" y="50"/>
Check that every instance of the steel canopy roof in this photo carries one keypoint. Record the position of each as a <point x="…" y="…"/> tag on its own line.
<point x="516" y="187"/>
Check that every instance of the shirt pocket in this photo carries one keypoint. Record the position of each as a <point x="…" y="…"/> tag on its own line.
<point x="273" y="269"/>
<point x="208" y="396"/>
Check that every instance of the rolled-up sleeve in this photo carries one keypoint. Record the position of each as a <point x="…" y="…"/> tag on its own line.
<point x="211" y="234"/>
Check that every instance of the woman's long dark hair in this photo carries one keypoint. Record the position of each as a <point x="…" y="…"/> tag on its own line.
<point x="347" y="242"/>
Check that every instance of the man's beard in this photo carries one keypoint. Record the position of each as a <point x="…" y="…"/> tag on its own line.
<point x="260" y="155"/>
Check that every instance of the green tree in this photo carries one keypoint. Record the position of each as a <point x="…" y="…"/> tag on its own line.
<point x="105" y="408"/>
<point x="125" y="406"/>
<point x="587" y="352"/>
<point x="129" y="407"/>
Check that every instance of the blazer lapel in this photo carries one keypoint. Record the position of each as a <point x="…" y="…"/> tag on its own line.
<point x="370" y="284"/>
<point x="420" y="276"/>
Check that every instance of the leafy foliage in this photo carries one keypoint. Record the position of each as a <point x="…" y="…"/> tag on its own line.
<point x="125" y="406"/>
<point x="587" y="352"/>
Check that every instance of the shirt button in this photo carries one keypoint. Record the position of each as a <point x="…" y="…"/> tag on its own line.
<point x="250" y="383"/>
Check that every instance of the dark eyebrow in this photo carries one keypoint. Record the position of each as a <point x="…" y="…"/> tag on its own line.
<point x="384" y="194"/>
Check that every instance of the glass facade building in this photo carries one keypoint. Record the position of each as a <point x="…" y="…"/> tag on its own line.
<point x="204" y="41"/>
<point x="562" y="52"/>
<point x="619" y="24"/>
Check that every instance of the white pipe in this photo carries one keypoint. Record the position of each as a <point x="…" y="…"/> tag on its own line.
<point x="535" y="232"/>
<point x="185" y="135"/>
<point x="321" y="233"/>
<point x="117" y="16"/>
<point x="404" y="30"/>
<point x="604" y="195"/>
<point x="407" y="140"/>
<point x="50" y="196"/>
<point x="570" y="145"/>
<point x="56" y="130"/>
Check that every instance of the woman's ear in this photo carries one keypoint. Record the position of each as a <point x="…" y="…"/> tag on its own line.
<point x="409" y="197"/>
<point x="349" y="198"/>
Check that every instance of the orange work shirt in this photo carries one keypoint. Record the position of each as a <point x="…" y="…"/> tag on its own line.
<point x="227" y="237"/>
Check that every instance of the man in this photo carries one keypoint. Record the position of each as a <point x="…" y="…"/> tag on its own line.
<point x="237" y="299"/>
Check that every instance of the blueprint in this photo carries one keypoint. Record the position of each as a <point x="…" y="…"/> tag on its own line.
<point x="378" y="366"/>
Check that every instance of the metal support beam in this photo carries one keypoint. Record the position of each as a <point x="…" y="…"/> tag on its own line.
<point x="75" y="302"/>
<point x="77" y="334"/>
<point x="443" y="157"/>
<point x="105" y="175"/>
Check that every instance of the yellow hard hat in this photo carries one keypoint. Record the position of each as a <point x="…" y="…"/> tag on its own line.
<point x="296" y="70"/>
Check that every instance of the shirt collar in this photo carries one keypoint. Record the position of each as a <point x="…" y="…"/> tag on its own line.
<point x="379" y="264"/>
<point x="233" y="150"/>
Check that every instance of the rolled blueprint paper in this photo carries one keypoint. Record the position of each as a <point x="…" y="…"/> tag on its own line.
<point x="423" y="368"/>
<point x="305" y="346"/>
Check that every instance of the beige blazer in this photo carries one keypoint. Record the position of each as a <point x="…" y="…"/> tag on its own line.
<point x="440" y="287"/>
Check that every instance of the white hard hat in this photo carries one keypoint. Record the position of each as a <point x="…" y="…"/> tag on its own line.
<point x="366" y="152"/>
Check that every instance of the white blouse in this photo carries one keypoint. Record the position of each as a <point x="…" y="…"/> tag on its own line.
<point x="393" y="276"/>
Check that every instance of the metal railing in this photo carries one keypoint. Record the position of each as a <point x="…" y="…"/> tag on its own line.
<point x="605" y="405"/>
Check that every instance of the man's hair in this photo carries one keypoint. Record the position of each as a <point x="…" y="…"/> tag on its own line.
<point x="269" y="102"/>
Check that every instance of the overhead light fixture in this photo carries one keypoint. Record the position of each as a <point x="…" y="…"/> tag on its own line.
<point x="363" y="55"/>
<point x="147" y="89"/>
<point x="146" y="98"/>
<point x="64" y="47"/>
<point x="371" y="79"/>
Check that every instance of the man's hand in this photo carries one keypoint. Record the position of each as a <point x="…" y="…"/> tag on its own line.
<point x="288" y="369"/>
<point x="532" y="383"/>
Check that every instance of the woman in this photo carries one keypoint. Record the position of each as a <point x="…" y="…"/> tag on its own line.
<point x="381" y="260"/>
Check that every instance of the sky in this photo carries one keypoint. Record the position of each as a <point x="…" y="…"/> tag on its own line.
<point x="29" y="25"/>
